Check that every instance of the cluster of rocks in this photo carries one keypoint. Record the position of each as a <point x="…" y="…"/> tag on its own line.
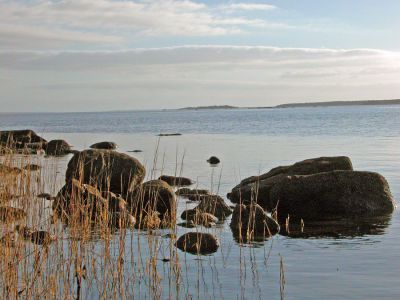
<point x="103" y="185"/>
<point x="29" y="142"/>
<point x="315" y="190"/>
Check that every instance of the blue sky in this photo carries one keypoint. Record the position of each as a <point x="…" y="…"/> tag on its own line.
<point x="119" y="54"/>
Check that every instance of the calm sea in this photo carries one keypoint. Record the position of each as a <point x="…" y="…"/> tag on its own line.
<point x="355" y="265"/>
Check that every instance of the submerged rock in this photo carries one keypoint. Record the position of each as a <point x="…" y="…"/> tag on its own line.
<point x="250" y="222"/>
<point x="135" y="151"/>
<point x="213" y="160"/>
<point x="330" y="195"/>
<point x="104" y="146"/>
<point x="58" y="148"/>
<point x="107" y="170"/>
<point x="198" y="243"/>
<point x="170" y="134"/>
<point x="176" y="181"/>
<point x="257" y="188"/>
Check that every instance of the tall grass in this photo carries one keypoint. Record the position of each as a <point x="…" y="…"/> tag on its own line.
<point x="88" y="258"/>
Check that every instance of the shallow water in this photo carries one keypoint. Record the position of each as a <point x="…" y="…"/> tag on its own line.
<point x="356" y="265"/>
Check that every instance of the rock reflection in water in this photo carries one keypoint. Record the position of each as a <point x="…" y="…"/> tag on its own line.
<point x="342" y="228"/>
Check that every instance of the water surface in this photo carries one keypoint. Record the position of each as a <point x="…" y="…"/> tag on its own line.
<point x="360" y="265"/>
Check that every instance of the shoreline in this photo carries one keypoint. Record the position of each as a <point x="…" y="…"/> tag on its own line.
<point x="301" y="105"/>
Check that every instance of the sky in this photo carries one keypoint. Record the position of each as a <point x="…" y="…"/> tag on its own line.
<point x="98" y="55"/>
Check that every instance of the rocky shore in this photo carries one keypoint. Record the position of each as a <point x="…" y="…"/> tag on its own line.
<point x="105" y="186"/>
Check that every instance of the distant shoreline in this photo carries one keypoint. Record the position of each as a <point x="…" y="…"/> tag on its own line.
<point x="304" y="104"/>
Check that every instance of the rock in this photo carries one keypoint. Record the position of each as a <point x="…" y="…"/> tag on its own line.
<point x="198" y="243"/>
<point x="32" y="167"/>
<point x="176" y="181"/>
<point x="107" y="170"/>
<point x="104" y="145"/>
<point x="330" y="195"/>
<point x="17" y="139"/>
<point x="58" y="148"/>
<point x="154" y="195"/>
<point x="199" y="218"/>
<point x="215" y="205"/>
<point x="81" y="201"/>
<point x="46" y="196"/>
<point x="307" y="167"/>
<point x="10" y="214"/>
<point x="169" y="134"/>
<point x="186" y="192"/>
<point x="148" y="220"/>
<point x="250" y="222"/>
<point x="35" y="146"/>
<point x="213" y="160"/>
<point x="257" y="188"/>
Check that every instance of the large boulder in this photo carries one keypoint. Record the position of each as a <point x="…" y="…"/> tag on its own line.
<point x="257" y="188"/>
<point x="153" y="196"/>
<point x="104" y="145"/>
<point x="331" y="195"/>
<point x="198" y="243"/>
<point x="107" y="170"/>
<point x="17" y="139"/>
<point x="82" y="202"/>
<point x="251" y="222"/>
<point x="58" y="148"/>
<point x="176" y="181"/>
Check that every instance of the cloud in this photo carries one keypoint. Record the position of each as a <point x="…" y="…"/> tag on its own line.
<point x="194" y="75"/>
<point x="113" y="22"/>
<point x="249" y="6"/>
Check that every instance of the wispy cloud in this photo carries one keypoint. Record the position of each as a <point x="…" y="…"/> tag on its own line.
<point x="115" y="21"/>
<point x="249" y="6"/>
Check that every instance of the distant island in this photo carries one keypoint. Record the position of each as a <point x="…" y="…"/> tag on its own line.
<point x="340" y="103"/>
<point x="210" y="107"/>
<point x="305" y="104"/>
